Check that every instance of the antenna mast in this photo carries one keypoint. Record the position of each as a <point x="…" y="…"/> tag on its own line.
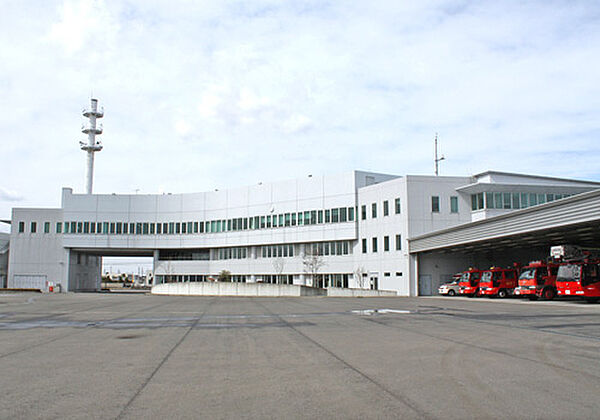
<point x="92" y="146"/>
<point x="436" y="156"/>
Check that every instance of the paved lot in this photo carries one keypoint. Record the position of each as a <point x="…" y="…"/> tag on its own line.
<point x="141" y="356"/>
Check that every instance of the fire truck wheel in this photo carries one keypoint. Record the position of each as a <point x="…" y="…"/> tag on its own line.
<point x="533" y="297"/>
<point x="592" y="299"/>
<point x="451" y="293"/>
<point x="502" y="294"/>
<point x="548" y="294"/>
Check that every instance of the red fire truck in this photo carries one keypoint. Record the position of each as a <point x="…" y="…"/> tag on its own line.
<point x="468" y="285"/>
<point x="579" y="275"/>
<point x="499" y="282"/>
<point x="538" y="279"/>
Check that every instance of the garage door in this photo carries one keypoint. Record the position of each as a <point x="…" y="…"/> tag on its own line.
<point x="34" y="281"/>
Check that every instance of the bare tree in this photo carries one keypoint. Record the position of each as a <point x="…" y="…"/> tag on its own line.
<point x="360" y="275"/>
<point x="312" y="262"/>
<point x="278" y="264"/>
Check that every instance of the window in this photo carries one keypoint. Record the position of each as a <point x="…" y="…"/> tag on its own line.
<point x="21" y="227"/>
<point x="516" y="202"/>
<point x="374" y="241"/>
<point x="335" y="215"/>
<point x="374" y="210"/>
<point x="320" y="214"/>
<point x="386" y="243"/>
<point x="454" y="204"/>
<point x="351" y="214"/>
<point x="489" y="200"/>
<point x="397" y="206"/>
<point x="398" y="242"/>
<point x="327" y="216"/>
<point x="386" y="208"/>
<point x="33" y="227"/>
<point x="506" y="200"/>
<point x="435" y="204"/>
<point x="363" y="212"/>
<point x="120" y="228"/>
<point x="533" y="199"/>
<point x="58" y="227"/>
<point x="476" y="201"/>
<point x="524" y="200"/>
<point x="364" y="245"/>
<point x="343" y="214"/>
<point x="46" y="227"/>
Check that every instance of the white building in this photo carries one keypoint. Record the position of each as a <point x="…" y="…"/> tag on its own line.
<point x="358" y="223"/>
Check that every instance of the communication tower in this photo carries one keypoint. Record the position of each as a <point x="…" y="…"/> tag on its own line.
<point x="92" y="146"/>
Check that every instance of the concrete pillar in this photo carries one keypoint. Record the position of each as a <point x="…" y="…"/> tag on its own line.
<point x="413" y="278"/>
<point x="154" y="265"/>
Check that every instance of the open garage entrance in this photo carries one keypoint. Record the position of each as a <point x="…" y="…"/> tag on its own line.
<point x="96" y="269"/>
<point x="521" y="236"/>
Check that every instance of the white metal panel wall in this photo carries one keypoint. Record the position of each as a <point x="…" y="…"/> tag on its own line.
<point x="29" y="281"/>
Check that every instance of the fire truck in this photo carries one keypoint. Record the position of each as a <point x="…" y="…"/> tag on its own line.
<point x="579" y="275"/>
<point x="538" y="280"/>
<point x="468" y="285"/>
<point x="499" y="282"/>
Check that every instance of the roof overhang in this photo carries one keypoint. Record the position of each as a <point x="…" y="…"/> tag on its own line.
<point x="575" y="219"/>
<point x="480" y="187"/>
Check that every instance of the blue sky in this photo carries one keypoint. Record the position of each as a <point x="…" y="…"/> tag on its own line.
<point x="201" y="95"/>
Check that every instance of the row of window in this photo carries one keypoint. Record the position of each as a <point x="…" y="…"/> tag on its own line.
<point x="508" y="200"/>
<point x="386" y="244"/>
<point x="435" y="204"/>
<point x="330" y="248"/>
<point x="275" y="251"/>
<point x="322" y="280"/>
<point x="264" y="251"/>
<point x="386" y="209"/>
<point x="311" y="217"/>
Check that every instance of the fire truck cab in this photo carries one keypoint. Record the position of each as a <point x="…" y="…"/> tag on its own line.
<point x="579" y="275"/>
<point x="538" y="280"/>
<point x="468" y="285"/>
<point x="499" y="282"/>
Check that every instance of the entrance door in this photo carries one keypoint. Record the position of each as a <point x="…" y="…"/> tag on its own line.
<point x="425" y="285"/>
<point x="374" y="283"/>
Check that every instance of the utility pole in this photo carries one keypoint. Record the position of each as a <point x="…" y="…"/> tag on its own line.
<point x="437" y="161"/>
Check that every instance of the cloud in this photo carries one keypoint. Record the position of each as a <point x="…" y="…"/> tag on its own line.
<point x="296" y="123"/>
<point x="8" y="195"/>
<point x="203" y="95"/>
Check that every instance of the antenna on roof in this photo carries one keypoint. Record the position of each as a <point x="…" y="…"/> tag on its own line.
<point x="437" y="161"/>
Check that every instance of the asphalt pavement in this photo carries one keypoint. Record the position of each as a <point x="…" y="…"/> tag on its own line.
<point x="110" y="356"/>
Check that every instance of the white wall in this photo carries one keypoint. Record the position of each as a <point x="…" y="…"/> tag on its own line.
<point x="37" y="253"/>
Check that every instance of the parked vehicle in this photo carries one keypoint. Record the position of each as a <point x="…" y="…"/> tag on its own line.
<point x="451" y="288"/>
<point x="498" y="282"/>
<point x="579" y="275"/>
<point x="469" y="282"/>
<point x="538" y="280"/>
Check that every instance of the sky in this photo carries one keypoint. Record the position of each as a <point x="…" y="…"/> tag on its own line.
<point x="201" y="95"/>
